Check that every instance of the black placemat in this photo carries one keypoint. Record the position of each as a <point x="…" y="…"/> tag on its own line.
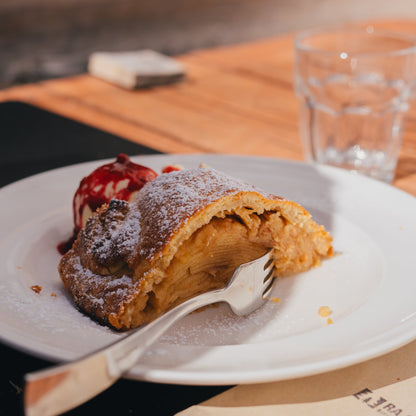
<point x="33" y="140"/>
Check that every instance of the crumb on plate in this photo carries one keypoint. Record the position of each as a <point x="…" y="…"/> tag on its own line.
<point x="36" y="288"/>
<point x="324" y="311"/>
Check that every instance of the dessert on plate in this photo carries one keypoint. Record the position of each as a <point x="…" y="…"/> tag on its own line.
<point x="116" y="180"/>
<point x="184" y="233"/>
<point x="120" y="179"/>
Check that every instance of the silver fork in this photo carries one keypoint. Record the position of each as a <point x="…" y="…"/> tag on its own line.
<point x="63" y="387"/>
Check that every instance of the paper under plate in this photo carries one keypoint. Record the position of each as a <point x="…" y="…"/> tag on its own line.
<point x="369" y="285"/>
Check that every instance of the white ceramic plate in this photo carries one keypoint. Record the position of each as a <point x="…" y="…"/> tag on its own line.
<point x="369" y="285"/>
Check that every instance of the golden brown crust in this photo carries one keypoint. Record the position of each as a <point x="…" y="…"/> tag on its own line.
<point x="127" y="251"/>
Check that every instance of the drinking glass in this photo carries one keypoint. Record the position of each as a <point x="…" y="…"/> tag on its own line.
<point x="355" y="87"/>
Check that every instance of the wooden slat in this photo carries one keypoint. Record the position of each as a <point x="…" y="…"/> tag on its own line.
<point x="270" y="60"/>
<point x="191" y="118"/>
<point x="251" y="96"/>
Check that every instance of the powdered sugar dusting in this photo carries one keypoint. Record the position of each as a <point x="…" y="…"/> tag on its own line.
<point x="115" y="233"/>
<point x="101" y="291"/>
<point x="171" y="199"/>
<point x="128" y="236"/>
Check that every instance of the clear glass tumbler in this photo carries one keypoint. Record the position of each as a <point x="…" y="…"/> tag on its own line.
<point x="355" y="86"/>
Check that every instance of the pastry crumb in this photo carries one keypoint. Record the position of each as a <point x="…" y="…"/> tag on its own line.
<point x="36" y="288"/>
<point x="324" y="311"/>
<point x="329" y="321"/>
<point x="276" y="300"/>
<point x="54" y="295"/>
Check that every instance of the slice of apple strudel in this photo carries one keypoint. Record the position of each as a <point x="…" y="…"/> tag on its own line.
<point x="185" y="233"/>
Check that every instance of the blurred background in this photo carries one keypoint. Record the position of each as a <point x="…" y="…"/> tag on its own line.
<point x="41" y="39"/>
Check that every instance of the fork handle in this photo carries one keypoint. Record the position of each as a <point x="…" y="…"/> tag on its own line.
<point x="63" y="387"/>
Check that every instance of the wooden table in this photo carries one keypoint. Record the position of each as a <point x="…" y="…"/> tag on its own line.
<point x="236" y="100"/>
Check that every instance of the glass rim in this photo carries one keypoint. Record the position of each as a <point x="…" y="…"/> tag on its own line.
<point x="369" y="30"/>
